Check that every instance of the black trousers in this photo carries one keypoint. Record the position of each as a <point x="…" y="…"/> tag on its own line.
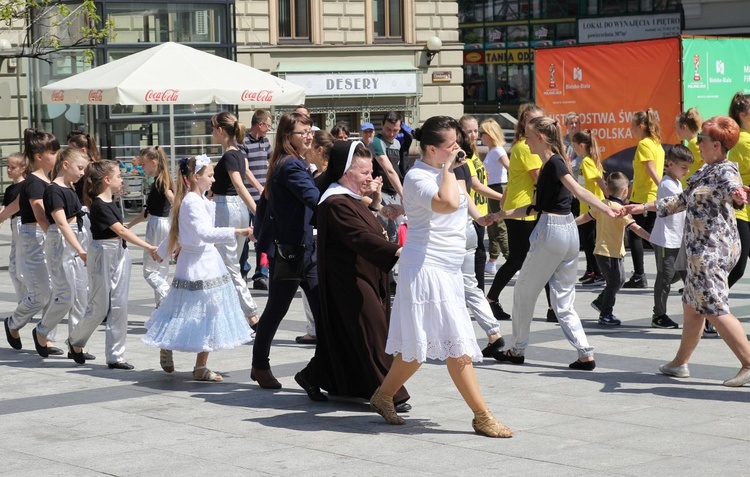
<point x="739" y="269"/>
<point x="480" y="256"/>
<point x="613" y="270"/>
<point x="519" y="232"/>
<point x="587" y="232"/>
<point x="636" y="243"/>
<point x="280" y="296"/>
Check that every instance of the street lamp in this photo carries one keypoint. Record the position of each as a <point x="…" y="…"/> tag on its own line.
<point x="4" y="47"/>
<point x="434" y="45"/>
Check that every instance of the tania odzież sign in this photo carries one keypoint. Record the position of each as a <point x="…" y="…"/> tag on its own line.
<point x="355" y="84"/>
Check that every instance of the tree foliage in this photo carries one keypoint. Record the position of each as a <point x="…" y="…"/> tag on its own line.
<point x="45" y="26"/>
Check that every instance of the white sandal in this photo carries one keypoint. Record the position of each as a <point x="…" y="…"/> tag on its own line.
<point x="206" y="374"/>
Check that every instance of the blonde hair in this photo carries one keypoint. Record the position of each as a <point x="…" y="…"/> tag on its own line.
<point x="162" y="179"/>
<point x="586" y="138"/>
<point x="69" y="154"/>
<point x="493" y="130"/>
<point x="649" y="122"/>
<point x="550" y="130"/>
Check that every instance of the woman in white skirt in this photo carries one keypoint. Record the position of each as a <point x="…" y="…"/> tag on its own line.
<point x="429" y="318"/>
<point x="201" y="312"/>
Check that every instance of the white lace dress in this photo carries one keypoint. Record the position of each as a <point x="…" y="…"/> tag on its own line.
<point x="429" y="319"/>
<point x="201" y="311"/>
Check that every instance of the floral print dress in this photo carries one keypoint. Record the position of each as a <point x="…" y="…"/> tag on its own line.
<point x="712" y="242"/>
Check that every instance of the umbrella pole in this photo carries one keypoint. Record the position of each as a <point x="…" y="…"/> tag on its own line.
<point x="171" y="141"/>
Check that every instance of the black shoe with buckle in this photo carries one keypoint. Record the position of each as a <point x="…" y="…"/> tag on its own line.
<point x="493" y="347"/>
<point x="508" y="357"/>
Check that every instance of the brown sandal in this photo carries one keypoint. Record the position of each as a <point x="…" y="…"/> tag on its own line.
<point x="383" y="405"/>
<point x="485" y="423"/>
<point x="166" y="361"/>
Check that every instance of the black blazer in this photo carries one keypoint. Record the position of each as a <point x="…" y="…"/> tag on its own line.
<point x="288" y="213"/>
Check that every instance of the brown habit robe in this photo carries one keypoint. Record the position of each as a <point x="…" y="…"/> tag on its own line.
<point x="354" y="258"/>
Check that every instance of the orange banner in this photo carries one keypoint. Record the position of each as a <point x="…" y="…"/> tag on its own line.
<point x="607" y="83"/>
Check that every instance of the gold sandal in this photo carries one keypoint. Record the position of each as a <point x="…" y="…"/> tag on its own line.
<point x="166" y="361"/>
<point x="485" y="423"/>
<point x="383" y="405"/>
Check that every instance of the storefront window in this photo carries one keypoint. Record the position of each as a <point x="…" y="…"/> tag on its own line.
<point x="161" y="22"/>
<point x="123" y="129"/>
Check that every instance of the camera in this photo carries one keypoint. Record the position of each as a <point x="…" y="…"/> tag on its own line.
<point x="461" y="156"/>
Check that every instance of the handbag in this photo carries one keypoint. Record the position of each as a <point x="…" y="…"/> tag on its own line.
<point x="290" y="262"/>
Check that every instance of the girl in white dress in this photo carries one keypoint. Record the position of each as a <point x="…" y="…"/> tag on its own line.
<point x="429" y="318"/>
<point x="201" y="312"/>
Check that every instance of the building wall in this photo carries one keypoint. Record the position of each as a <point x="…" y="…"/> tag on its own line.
<point x="703" y="16"/>
<point x="342" y="31"/>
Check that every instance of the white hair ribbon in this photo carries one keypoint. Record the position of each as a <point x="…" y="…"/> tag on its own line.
<point x="201" y="162"/>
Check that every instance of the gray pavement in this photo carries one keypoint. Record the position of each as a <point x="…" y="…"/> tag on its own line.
<point x="57" y="418"/>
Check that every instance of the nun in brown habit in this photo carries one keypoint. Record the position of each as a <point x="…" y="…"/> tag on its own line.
<point x="354" y="257"/>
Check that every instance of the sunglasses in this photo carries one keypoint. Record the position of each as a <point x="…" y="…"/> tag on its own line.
<point x="701" y="137"/>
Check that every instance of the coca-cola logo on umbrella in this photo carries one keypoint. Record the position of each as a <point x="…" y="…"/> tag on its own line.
<point x="166" y="96"/>
<point x="264" y="95"/>
<point x="95" y="96"/>
<point x="58" y="96"/>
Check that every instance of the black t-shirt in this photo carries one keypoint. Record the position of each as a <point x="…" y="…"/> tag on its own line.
<point x="157" y="203"/>
<point x="551" y="195"/>
<point x="32" y="188"/>
<point x="56" y="197"/>
<point x="231" y="161"/>
<point x="103" y="215"/>
<point x="11" y="193"/>
<point x="463" y="173"/>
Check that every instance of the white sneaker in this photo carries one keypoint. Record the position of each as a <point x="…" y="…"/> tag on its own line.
<point x="490" y="268"/>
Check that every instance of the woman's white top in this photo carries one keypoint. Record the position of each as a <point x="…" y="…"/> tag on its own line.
<point x="434" y="239"/>
<point x="496" y="172"/>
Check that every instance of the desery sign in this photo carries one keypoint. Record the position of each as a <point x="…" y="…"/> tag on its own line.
<point x="606" y="84"/>
<point x="713" y="71"/>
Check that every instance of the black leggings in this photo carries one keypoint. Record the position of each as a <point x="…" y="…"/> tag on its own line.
<point x="519" y="232"/>
<point x="739" y="269"/>
<point x="480" y="256"/>
<point x="636" y="243"/>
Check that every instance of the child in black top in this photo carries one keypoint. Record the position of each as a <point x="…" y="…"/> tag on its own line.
<point x="39" y="149"/>
<point x="16" y="167"/>
<point x="553" y="252"/>
<point x="157" y="209"/>
<point x="108" y="265"/>
<point x="65" y="254"/>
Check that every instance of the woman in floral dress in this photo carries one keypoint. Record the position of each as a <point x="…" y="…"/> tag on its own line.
<point x="712" y="244"/>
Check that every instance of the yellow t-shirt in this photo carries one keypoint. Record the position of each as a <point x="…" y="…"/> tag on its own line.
<point x="477" y="170"/>
<point x="520" y="189"/>
<point x="590" y="174"/>
<point x="610" y="233"/>
<point x="644" y="189"/>
<point x="697" y="161"/>
<point x="741" y="155"/>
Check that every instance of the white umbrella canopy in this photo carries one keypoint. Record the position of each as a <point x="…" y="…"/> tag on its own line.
<point x="171" y="74"/>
